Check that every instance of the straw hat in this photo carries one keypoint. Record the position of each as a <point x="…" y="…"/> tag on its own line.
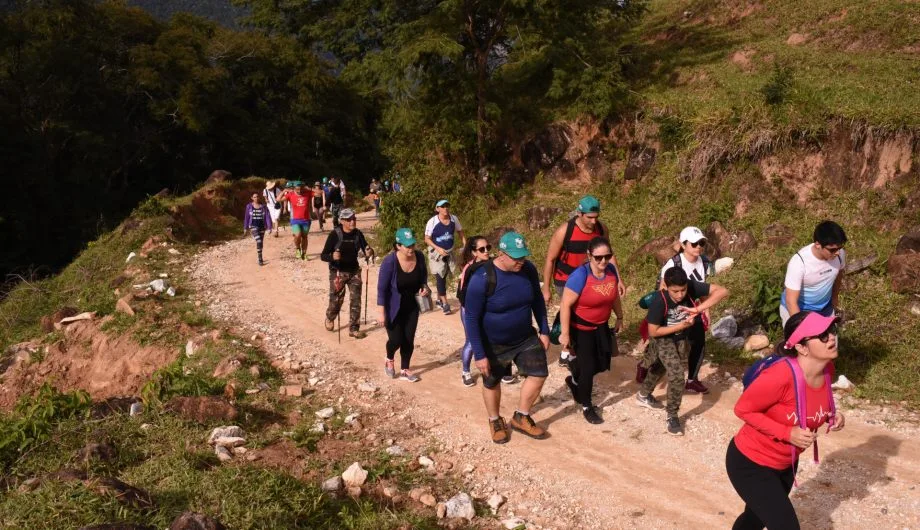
<point x="270" y="185"/>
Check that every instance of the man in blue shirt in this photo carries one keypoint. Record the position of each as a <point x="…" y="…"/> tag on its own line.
<point x="440" y="237"/>
<point x="499" y="324"/>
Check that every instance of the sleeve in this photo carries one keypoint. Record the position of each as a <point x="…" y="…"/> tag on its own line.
<point x="577" y="280"/>
<point x="247" y="217"/>
<point x="458" y="226"/>
<point x="538" y="304"/>
<point x="700" y="289"/>
<point x="769" y="388"/>
<point x="656" y="312"/>
<point x="429" y="226"/>
<point x="475" y="307"/>
<point x="667" y="265"/>
<point x="329" y="247"/>
<point x="383" y="279"/>
<point x="362" y="241"/>
<point x="795" y="273"/>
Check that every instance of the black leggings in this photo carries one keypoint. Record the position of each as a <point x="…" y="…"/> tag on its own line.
<point x="441" y="283"/>
<point x="401" y="335"/>
<point x="585" y="366"/>
<point x="697" y="350"/>
<point x="765" y="492"/>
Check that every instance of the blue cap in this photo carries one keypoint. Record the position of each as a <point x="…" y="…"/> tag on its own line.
<point x="405" y="236"/>
<point x="442" y="202"/>
<point x="514" y="244"/>
<point x="589" y="204"/>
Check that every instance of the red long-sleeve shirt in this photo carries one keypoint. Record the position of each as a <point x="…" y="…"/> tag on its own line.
<point x="769" y="412"/>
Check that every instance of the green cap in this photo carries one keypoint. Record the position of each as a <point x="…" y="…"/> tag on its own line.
<point x="514" y="244"/>
<point x="589" y="204"/>
<point x="405" y="236"/>
<point x="325" y="180"/>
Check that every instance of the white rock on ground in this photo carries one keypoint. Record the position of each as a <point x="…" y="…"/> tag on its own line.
<point x="495" y="502"/>
<point x="756" y="342"/>
<point x="333" y="484"/>
<point x="230" y="441"/>
<point x="367" y="387"/>
<point x="425" y="461"/>
<point x="723" y="264"/>
<point x="395" y="450"/>
<point x="351" y="418"/>
<point x="460" y="506"/>
<point x="842" y="383"/>
<point x="325" y="413"/>
<point x="514" y="523"/>
<point x="131" y="256"/>
<point x="318" y="427"/>
<point x="230" y="431"/>
<point x="223" y="454"/>
<point x="355" y="475"/>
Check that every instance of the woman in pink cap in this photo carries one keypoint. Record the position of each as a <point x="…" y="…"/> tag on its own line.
<point x="762" y="458"/>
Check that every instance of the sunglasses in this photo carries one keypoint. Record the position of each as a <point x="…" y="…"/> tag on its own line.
<point x="486" y="248"/>
<point x="699" y="244"/>
<point x="516" y="260"/>
<point x="833" y="250"/>
<point x="823" y="337"/>
<point x="602" y="257"/>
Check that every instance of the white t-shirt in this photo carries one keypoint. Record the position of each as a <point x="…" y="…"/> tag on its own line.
<point x="443" y="235"/>
<point x="695" y="271"/>
<point x="813" y="278"/>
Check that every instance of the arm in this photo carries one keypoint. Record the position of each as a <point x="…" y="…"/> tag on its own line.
<point x="283" y="197"/>
<point x="475" y="307"/>
<point x="795" y="276"/>
<point x="792" y="301"/>
<point x="716" y="294"/>
<point x="383" y="285"/>
<point x="539" y="305"/>
<point x="657" y="331"/>
<point x="331" y="240"/>
<point x="768" y="389"/>
<point x="835" y="290"/>
<point x="618" y="311"/>
<point x="621" y="285"/>
<point x="552" y="254"/>
<point x="569" y="297"/>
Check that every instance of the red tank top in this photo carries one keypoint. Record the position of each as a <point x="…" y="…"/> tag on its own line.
<point x="574" y="250"/>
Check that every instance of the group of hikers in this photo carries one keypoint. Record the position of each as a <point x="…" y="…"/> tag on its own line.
<point x="787" y="395"/>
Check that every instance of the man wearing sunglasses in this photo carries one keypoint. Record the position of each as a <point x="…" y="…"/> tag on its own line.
<point x="815" y="273"/>
<point x="500" y="330"/>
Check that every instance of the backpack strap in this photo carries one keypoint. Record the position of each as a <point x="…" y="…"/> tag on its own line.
<point x="665" y="301"/>
<point x="832" y="419"/>
<point x="491" y="278"/>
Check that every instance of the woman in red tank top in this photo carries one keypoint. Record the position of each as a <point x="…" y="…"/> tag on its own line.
<point x="760" y="461"/>
<point x="589" y="297"/>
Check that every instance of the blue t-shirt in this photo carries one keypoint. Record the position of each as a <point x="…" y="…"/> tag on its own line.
<point x="442" y="235"/>
<point x="506" y="317"/>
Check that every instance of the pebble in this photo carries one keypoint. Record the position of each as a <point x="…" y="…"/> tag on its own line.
<point x="223" y="454"/>
<point x="367" y="387"/>
<point x="425" y="461"/>
<point x="461" y="506"/>
<point x="390" y="491"/>
<point x="325" y="413"/>
<point x="318" y="427"/>
<point x="495" y="502"/>
<point x="355" y="475"/>
<point x="351" y="418"/>
<point x="395" y="450"/>
<point x="333" y="484"/>
<point x="514" y="523"/>
<point x="428" y="500"/>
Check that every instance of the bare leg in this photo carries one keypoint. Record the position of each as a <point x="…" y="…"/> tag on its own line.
<point x="493" y="400"/>
<point x="530" y="391"/>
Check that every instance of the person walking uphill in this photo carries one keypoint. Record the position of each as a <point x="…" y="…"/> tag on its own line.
<point x="403" y="275"/>
<point x="476" y="250"/>
<point x="502" y="299"/>
<point x="589" y="297"/>
<point x="301" y="200"/>
<point x="815" y="273"/>
<point x="670" y="317"/>
<point x="568" y="249"/>
<point x="257" y="220"/>
<point x="440" y="237"/>
<point x="336" y="199"/>
<point x="782" y="409"/>
<point x="341" y="252"/>
<point x="271" y="193"/>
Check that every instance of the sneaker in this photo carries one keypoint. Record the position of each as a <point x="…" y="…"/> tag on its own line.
<point x="406" y="375"/>
<point x="674" y="427"/>
<point x="357" y="333"/>
<point x="298" y="254"/>
<point x="693" y="385"/>
<point x="389" y="369"/>
<point x="573" y="388"/>
<point x="261" y="262"/>
<point x="641" y="373"/>
<point x="467" y="379"/>
<point x="648" y="401"/>
<point x="303" y="255"/>
<point x="499" y="431"/>
<point x="445" y="308"/>
<point x="509" y="379"/>
<point x="330" y="325"/>
<point x="439" y="304"/>
<point x="525" y="425"/>
<point x="592" y="416"/>
<point x="564" y="358"/>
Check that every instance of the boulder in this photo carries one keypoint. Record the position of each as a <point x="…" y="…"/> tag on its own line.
<point x="640" y="161"/>
<point x="355" y="475"/>
<point x="223" y="454"/>
<point x="495" y="501"/>
<point x="725" y="327"/>
<point x="123" y="493"/>
<point x="858" y="265"/>
<point x="123" y="305"/>
<point x="756" y="342"/>
<point x="909" y="243"/>
<point x="230" y="441"/>
<point x="203" y="409"/>
<point x="231" y="431"/>
<point x="540" y="217"/>
<point x="904" y="271"/>
<point x="195" y="521"/>
<point x="546" y="148"/>
<point x="723" y="264"/>
<point x="723" y="243"/>
<point x="460" y="506"/>
<point x="778" y="235"/>
<point x="662" y="249"/>
<point x="735" y="343"/>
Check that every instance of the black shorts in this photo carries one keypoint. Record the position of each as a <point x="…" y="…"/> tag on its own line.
<point x="528" y="355"/>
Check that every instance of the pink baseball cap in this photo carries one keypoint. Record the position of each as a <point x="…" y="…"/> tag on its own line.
<point x="812" y="326"/>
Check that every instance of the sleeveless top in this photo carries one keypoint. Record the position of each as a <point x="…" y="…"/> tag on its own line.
<point x="574" y="250"/>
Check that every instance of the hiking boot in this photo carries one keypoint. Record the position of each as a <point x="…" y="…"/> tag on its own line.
<point x="573" y="388"/>
<point x="693" y="385"/>
<point x="509" y="379"/>
<point x="674" y="427"/>
<point x="406" y="375"/>
<point x="445" y="308"/>
<point x="565" y="358"/>
<point x="592" y="416"/>
<point x="330" y="325"/>
<point x="298" y="254"/>
<point x="357" y="333"/>
<point x="524" y="424"/>
<point x="499" y="431"/>
<point x="389" y="369"/>
<point x="641" y="373"/>
<point x="648" y="401"/>
<point x="467" y="379"/>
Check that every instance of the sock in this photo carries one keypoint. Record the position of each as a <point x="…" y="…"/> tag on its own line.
<point x="584" y="408"/>
<point x="564" y="354"/>
<point x="493" y="418"/>
<point x="521" y="413"/>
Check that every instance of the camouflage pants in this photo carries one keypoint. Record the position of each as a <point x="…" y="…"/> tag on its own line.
<point x="668" y="357"/>
<point x="351" y="281"/>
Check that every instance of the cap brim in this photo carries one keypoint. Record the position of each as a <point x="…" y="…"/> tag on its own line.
<point x="693" y="239"/>
<point x="813" y="325"/>
<point x="407" y="242"/>
<point x="517" y="253"/>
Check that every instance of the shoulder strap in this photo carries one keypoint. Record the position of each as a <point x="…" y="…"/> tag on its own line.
<point x="491" y="278"/>
<point x="665" y="300"/>
<point x="569" y="229"/>
<point x="678" y="261"/>
<point x="340" y="236"/>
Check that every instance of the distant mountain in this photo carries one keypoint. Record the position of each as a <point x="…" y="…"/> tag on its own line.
<point x="221" y="11"/>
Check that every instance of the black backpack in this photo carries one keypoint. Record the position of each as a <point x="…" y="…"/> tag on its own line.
<point x="575" y="247"/>
<point x="491" y="279"/>
<point x="678" y="262"/>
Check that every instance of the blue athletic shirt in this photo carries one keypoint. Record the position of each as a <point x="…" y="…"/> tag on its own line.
<point x="442" y="234"/>
<point x="506" y="317"/>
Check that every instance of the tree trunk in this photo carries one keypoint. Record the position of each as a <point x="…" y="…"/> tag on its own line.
<point x="481" y="66"/>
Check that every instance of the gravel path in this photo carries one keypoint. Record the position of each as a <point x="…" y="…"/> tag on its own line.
<point x="625" y="473"/>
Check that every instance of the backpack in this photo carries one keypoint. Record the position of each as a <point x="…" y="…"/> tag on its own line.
<point x="491" y="278"/>
<point x="647" y="299"/>
<point x="678" y="262"/>
<point x="569" y="247"/>
<point x="751" y="373"/>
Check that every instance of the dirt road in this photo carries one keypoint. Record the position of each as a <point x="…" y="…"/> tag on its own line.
<point x="625" y="473"/>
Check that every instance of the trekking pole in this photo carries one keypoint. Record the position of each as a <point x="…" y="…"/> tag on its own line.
<point x="367" y="283"/>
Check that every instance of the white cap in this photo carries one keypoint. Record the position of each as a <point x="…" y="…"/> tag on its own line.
<point x="691" y="234"/>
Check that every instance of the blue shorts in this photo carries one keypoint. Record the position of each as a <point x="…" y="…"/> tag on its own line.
<point x="300" y="226"/>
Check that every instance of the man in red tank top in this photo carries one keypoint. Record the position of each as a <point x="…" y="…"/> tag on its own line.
<point x="568" y="249"/>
